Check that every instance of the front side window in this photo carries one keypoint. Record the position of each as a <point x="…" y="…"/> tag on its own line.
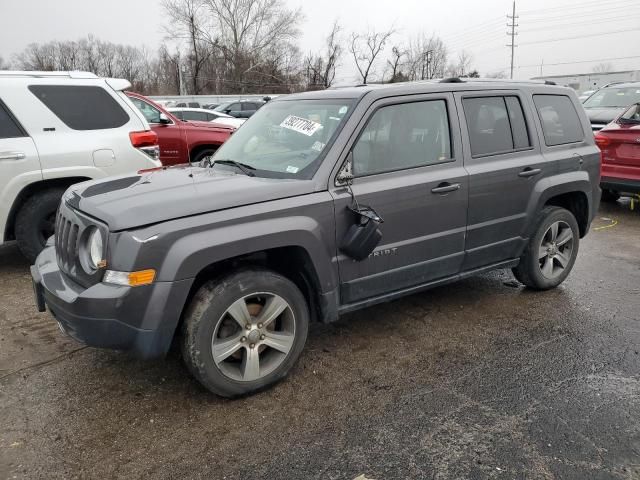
<point x="81" y="107"/>
<point x="560" y="121"/>
<point x="402" y="136"/>
<point x="248" y="106"/>
<point x="286" y="139"/>
<point x="151" y="114"/>
<point x="9" y="128"/>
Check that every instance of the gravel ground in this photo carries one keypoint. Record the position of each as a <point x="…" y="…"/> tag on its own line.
<point x="482" y="379"/>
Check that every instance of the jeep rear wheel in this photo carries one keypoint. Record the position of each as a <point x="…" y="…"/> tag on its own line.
<point x="244" y="332"/>
<point x="552" y="250"/>
<point x="35" y="221"/>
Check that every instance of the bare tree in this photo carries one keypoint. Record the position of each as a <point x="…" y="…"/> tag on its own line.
<point x="395" y="65"/>
<point x="462" y="66"/>
<point x="497" y="74"/>
<point x="321" y="69"/>
<point x="427" y="58"/>
<point x="188" y="21"/>
<point x="247" y="29"/>
<point x="4" y="65"/>
<point x="366" y="48"/>
<point x="604" y="67"/>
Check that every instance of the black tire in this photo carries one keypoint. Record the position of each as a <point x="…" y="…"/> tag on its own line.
<point x="610" y="196"/>
<point x="205" y="317"/>
<point x="202" y="154"/>
<point x="35" y="221"/>
<point x="529" y="270"/>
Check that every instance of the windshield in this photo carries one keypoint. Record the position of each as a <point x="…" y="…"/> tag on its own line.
<point x="286" y="138"/>
<point x="632" y="115"/>
<point x="613" y="98"/>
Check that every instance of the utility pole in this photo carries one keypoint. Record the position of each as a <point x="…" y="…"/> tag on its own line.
<point x="513" y="17"/>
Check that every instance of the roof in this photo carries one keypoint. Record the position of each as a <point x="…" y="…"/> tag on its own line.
<point x="422" y="86"/>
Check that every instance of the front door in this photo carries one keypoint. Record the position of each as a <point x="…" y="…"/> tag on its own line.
<point x="170" y="135"/>
<point x="407" y="165"/>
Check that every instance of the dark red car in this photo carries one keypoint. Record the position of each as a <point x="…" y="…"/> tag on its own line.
<point x="181" y="141"/>
<point x="620" y="145"/>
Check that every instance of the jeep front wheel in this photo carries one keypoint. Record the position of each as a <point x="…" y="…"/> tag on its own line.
<point x="552" y="250"/>
<point x="244" y="332"/>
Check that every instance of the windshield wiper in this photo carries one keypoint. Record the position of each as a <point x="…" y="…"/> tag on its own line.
<point x="246" y="169"/>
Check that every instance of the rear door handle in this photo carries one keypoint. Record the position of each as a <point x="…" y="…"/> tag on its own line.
<point x="446" y="188"/>
<point x="530" y="172"/>
<point x="12" y="156"/>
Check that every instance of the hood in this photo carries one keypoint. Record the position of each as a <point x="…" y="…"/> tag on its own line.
<point x="603" y="115"/>
<point x="159" y="195"/>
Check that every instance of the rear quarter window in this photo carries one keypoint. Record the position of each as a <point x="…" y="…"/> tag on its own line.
<point x="81" y="107"/>
<point x="560" y="121"/>
<point x="9" y="127"/>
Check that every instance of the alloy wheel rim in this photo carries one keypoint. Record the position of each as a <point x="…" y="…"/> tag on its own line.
<point x="555" y="251"/>
<point x="253" y="336"/>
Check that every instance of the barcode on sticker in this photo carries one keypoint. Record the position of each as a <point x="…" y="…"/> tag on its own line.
<point x="301" y="125"/>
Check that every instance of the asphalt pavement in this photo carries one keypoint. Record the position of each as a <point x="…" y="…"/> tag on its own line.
<point x="480" y="379"/>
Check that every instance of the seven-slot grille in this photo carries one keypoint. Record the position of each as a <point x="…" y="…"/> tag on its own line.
<point x="67" y="236"/>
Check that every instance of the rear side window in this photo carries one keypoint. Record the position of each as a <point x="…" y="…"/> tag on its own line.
<point x="194" y="116"/>
<point x="496" y="125"/>
<point x="9" y="127"/>
<point x="81" y="107"/>
<point x="560" y="121"/>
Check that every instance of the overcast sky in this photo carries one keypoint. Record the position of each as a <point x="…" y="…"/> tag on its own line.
<point x="479" y="27"/>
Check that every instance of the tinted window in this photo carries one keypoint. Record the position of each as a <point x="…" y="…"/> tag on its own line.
<point x="248" y="106"/>
<point x="212" y="116"/>
<point x="518" y="123"/>
<point x="152" y="114"/>
<point x="235" y="107"/>
<point x="403" y="136"/>
<point x="488" y="125"/>
<point x="560" y="121"/>
<point x="81" y="107"/>
<point x="197" y="116"/>
<point x="9" y="128"/>
<point x="194" y="104"/>
<point x="178" y="114"/>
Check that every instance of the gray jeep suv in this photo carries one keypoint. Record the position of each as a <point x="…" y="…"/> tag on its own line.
<point x="322" y="203"/>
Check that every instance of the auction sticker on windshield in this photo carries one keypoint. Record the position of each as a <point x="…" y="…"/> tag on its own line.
<point x="301" y="125"/>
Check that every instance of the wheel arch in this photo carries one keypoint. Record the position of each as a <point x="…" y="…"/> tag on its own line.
<point x="30" y="190"/>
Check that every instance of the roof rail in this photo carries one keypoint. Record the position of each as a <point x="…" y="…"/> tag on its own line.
<point x="42" y="74"/>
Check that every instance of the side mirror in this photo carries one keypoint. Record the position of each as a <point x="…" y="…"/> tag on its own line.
<point x="227" y="111"/>
<point x="164" y="120"/>
<point x="345" y="175"/>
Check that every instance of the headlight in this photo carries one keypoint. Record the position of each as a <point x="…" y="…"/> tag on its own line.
<point x="95" y="249"/>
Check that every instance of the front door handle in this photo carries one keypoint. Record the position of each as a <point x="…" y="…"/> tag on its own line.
<point x="12" y="156"/>
<point x="530" y="172"/>
<point x="445" y="187"/>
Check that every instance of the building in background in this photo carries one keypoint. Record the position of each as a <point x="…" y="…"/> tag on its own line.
<point x="592" y="81"/>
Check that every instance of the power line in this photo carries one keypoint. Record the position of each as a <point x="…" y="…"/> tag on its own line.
<point x="577" y="6"/>
<point x="580" y="36"/>
<point x="595" y="22"/>
<point x="581" y="61"/>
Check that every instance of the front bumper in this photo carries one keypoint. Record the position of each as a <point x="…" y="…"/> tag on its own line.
<point x="620" y="185"/>
<point x="140" y="320"/>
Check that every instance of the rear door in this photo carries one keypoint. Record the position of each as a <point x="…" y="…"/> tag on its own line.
<point x="19" y="163"/>
<point x="504" y="162"/>
<point x="408" y="166"/>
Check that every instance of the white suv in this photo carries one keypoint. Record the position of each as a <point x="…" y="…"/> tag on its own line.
<point x="56" y="129"/>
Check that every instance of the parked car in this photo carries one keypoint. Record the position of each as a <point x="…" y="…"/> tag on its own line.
<point x="57" y="129"/>
<point x="202" y="115"/>
<point x="210" y="106"/>
<point x="180" y="141"/>
<point x="324" y="203"/>
<point x="609" y="102"/>
<point x="586" y="94"/>
<point x="620" y="145"/>
<point x="243" y="109"/>
<point x="187" y="105"/>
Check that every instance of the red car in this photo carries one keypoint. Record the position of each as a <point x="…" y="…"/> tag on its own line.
<point x="620" y="145"/>
<point x="181" y="141"/>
